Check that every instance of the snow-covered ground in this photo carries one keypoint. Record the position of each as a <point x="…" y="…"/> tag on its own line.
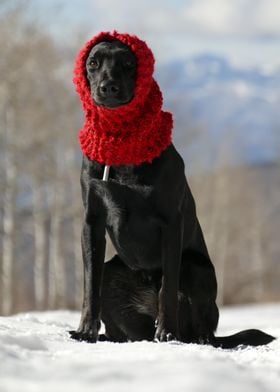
<point x="36" y="354"/>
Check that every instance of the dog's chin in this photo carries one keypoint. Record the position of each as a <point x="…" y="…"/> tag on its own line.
<point x="112" y="103"/>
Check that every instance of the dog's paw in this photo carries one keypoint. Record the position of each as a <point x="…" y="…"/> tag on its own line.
<point x="87" y="332"/>
<point x="163" y="335"/>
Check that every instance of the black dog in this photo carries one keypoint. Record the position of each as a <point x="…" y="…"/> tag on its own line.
<point x="161" y="284"/>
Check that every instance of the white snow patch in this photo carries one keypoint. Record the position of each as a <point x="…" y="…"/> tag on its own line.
<point x="37" y="354"/>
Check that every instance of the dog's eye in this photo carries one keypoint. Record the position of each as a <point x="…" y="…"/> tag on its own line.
<point x="93" y="64"/>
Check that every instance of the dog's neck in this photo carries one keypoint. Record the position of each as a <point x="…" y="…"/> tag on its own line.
<point x="131" y="134"/>
<point x="125" y="138"/>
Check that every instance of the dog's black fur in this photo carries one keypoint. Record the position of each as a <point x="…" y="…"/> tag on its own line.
<point x="161" y="284"/>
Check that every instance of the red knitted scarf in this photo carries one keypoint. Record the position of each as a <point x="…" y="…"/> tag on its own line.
<point x="133" y="133"/>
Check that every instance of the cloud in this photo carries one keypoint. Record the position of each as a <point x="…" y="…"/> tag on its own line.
<point x="246" y="18"/>
<point x="218" y="18"/>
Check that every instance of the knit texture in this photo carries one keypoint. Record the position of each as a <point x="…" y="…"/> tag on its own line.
<point x="133" y="133"/>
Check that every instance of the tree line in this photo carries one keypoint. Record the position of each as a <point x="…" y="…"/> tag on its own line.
<point x="40" y="203"/>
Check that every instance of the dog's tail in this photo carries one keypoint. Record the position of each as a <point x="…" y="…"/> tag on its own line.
<point x="250" y="337"/>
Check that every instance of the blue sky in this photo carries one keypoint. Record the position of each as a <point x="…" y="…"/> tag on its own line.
<point x="247" y="32"/>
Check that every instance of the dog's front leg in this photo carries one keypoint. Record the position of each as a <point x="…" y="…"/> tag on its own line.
<point x="93" y="249"/>
<point x="167" y="322"/>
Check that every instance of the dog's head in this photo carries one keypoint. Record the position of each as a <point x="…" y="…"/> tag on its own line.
<point x="124" y="121"/>
<point x="111" y="71"/>
<point x="114" y="71"/>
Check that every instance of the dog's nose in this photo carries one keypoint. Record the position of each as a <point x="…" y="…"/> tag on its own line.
<point x="109" y="88"/>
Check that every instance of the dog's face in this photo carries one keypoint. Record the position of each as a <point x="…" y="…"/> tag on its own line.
<point x="111" y="72"/>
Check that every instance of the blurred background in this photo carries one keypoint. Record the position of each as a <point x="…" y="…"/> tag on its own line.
<point x="218" y="66"/>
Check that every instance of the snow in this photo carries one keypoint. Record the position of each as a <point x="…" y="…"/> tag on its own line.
<point x="36" y="354"/>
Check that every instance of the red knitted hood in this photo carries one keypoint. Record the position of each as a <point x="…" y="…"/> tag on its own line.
<point x="133" y="133"/>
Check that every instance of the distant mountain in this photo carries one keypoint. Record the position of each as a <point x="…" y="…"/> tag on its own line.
<point x="216" y="104"/>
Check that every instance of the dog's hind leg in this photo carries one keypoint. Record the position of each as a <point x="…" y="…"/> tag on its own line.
<point x="128" y="303"/>
<point x="198" y="312"/>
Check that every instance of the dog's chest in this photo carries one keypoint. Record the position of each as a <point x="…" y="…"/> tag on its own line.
<point x="122" y="194"/>
<point x="130" y="204"/>
<point x="132" y="223"/>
